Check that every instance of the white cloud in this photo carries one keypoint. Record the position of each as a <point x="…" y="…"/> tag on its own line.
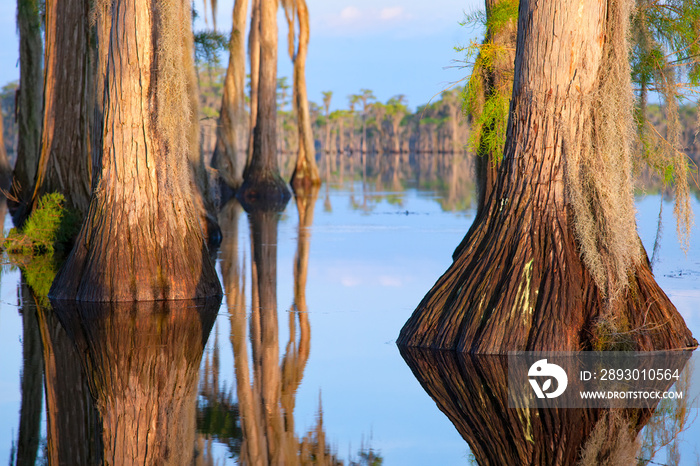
<point x="349" y="281"/>
<point x="394" y="12"/>
<point x="389" y="281"/>
<point x="353" y="20"/>
<point x="350" y="13"/>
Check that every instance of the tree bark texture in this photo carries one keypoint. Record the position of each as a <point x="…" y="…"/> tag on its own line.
<point x="142" y="362"/>
<point x="29" y="106"/>
<point x="232" y="131"/>
<point x="3" y="212"/>
<point x="254" y="59"/>
<point x="64" y="164"/>
<point x="305" y="173"/>
<point x="263" y="183"/>
<point x="101" y="21"/>
<point x="141" y="239"/>
<point x="5" y="169"/>
<point x="472" y="391"/>
<point x="518" y="281"/>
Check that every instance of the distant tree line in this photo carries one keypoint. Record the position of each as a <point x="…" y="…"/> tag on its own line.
<point x="425" y="139"/>
<point x="364" y="126"/>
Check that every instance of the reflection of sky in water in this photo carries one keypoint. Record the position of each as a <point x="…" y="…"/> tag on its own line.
<point x="10" y="361"/>
<point x="679" y="276"/>
<point x="367" y="272"/>
<point x="677" y="273"/>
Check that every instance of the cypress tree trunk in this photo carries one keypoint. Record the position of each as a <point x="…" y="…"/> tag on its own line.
<point x="298" y="347"/>
<point x="396" y="149"/>
<point x="29" y="106"/>
<point x="64" y="164"/>
<point x="262" y="183"/>
<point x="327" y="144"/>
<point x="102" y="14"/>
<point x="141" y="239"/>
<point x="268" y="377"/>
<point x="305" y="174"/>
<point x="453" y="109"/>
<point x="254" y="59"/>
<point x="297" y="354"/>
<point x="519" y="281"/>
<point x="5" y="170"/>
<point x="231" y="132"/>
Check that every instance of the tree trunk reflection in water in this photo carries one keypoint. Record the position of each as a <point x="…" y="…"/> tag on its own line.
<point x="30" y="410"/>
<point x="266" y="403"/>
<point x="73" y="427"/>
<point x="234" y="284"/>
<point x="297" y="350"/>
<point x="142" y="362"/>
<point x="473" y="392"/>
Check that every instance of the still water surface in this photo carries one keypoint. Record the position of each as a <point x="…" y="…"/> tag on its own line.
<point x="337" y="282"/>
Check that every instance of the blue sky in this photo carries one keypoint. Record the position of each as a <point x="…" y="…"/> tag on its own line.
<point x="389" y="46"/>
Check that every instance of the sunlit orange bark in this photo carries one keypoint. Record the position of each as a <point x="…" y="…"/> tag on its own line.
<point x="518" y="281"/>
<point x="305" y="173"/>
<point x="141" y="239"/>
<point x="231" y="133"/>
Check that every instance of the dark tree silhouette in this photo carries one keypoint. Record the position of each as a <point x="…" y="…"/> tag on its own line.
<point x="29" y="103"/>
<point x="64" y="163"/>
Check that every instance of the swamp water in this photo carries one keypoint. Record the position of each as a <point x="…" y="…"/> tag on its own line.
<point x="313" y="325"/>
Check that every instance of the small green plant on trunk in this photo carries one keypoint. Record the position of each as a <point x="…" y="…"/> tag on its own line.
<point x="38" y="247"/>
<point x="51" y="226"/>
